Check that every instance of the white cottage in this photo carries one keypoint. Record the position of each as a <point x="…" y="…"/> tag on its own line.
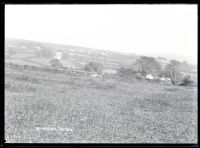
<point x="149" y="77"/>
<point x="58" y="55"/>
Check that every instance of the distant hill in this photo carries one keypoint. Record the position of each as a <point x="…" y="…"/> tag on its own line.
<point x="74" y="57"/>
<point x="75" y="54"/>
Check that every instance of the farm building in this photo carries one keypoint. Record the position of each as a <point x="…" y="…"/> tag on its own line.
<point x="166" y="80"/>
<point x="58" y="55"/>
<point x="149" y="77"/>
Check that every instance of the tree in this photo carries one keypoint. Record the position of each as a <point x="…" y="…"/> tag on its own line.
<point x="185" y="67"/>
<point x="55" y="63"/>
<point x="94" y="67"/>
<point x="148" y="65"/>
<point x="172" y="70"/>
<point x="162" y="58"/>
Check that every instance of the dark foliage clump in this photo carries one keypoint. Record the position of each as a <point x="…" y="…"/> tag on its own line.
<point x="186" y="80"/>
<point x="94" y="67"/>
<point x="55" y="63"/>
<point x="126" y="72"/>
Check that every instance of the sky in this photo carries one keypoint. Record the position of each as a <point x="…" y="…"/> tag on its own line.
<point x="140" y="29"/>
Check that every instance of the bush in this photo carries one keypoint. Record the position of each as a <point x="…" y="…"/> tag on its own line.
<point x="94" y="67"/>
<point x="126" y="72"/>
<point x="156" y="80"/>
<point x="138" y="76"/>
<point x="187" y="80"/>
<point x="130" y="74"/>
<point x="55" y="63"/>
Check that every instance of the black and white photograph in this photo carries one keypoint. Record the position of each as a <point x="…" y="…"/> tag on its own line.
<point x="101" y="73"/>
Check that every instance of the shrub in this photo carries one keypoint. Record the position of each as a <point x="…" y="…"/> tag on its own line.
<point x="126" y="72"/>
<point x="156" y="80"/>
<point x="187" y="80"/>
<point x="94" y="67"/>
<point x="138" y="76"/>
<point x="55" y="63"/>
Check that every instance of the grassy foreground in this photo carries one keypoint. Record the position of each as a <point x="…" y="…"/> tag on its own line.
<point x="44" y="107"/>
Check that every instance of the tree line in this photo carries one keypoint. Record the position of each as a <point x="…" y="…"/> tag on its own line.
<point x="149" y="65"/>
<point x="140" y="68"/>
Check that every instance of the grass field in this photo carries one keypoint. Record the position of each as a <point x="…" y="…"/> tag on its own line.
<point x="45" y="107"/>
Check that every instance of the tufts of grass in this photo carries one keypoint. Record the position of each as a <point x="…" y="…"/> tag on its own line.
<point x="98" y="111"/>
<point x="18" y="87"/>
<point x="23" y="77"/>
<point x="102" y="85"/>
<point x="171" y="89"/>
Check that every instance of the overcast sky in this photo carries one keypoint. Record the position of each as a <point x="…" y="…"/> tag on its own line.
<point x="140" y="29"/>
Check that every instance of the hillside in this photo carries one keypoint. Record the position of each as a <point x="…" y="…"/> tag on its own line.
<point x="75" y="56"/>
<point x="50" y="107"/>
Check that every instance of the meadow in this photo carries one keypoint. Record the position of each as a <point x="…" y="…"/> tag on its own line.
<point x="47" y="107"/>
